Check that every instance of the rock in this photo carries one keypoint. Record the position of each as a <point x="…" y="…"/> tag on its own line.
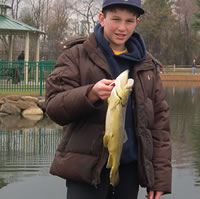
<point x="41" y="104"/>
<point x="2" y="101"/>
<point x="32" y="111"/>
<point x="28" y="106"/>
<point x="30" y="99"/>
<point x="23" y="104"/>
<point x="10" y="109"/>
<point x="33" y="117"/>
<point x="13" y="97"/>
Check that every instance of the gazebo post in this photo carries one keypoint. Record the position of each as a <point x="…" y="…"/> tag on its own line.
<point x="26" y="56"/>
<point x="11" y="27"/>
<point x="10" y="53"/>
<point x="37" y="57"/>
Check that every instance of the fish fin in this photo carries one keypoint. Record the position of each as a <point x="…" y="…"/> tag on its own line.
<point x="109" y="163"/>
<point x="114" y="177"/>
<point x="125" y="137"/>
<point x="105" y="140"/>
<point x="124" y="100"/>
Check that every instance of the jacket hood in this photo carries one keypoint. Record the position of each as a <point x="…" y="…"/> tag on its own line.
<point x="135" y="45"/>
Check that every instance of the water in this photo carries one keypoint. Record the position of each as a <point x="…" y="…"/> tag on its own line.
<point x="26" y="154"/>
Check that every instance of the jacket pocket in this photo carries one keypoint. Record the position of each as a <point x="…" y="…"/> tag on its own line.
<point x="86" y="139"/>
<point x="73" y="166"/>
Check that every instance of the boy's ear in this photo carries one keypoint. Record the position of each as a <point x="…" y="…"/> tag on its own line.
<point x="137" y="20"/>
<point x="101" y="19"/>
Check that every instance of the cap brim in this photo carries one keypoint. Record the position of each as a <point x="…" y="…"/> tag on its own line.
<point x="140" y="10"/>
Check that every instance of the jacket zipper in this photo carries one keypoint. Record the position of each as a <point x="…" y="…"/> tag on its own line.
<point x="141" y="167"/>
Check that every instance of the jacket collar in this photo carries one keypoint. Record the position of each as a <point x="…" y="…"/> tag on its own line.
<point x="99" y="59"/>
<point x="95" y="53"/>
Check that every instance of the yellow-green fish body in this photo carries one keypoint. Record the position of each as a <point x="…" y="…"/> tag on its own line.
<point x="115" y="134"/>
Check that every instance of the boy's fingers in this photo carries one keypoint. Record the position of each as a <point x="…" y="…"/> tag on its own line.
<point x="150" y="195"/>
<point x="107" y="81"/>
<point x="158" y="195"/>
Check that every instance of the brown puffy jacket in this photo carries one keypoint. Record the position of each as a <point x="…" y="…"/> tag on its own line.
<point x="81" y="155"/>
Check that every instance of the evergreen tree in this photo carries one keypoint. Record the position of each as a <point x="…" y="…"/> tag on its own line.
<point x="157" y="26"/>
<point x="196" y="23"/>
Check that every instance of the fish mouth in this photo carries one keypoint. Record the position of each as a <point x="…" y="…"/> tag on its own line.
<point x="120" y="98"/>
<point x="117" y="94"/>
<point x="129" y="86"/>
<point x="130" y="83"/>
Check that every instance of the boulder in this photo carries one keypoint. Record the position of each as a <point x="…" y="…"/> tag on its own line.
<point x="30" y="99"/>
<point x="13" y="97"/>
<point x="2" y="101"/>
<point x="23" y="104"/>
<point x="41" y="104"/>
<point x="32" y="111"/>
<point x="10" y="109"/>
<point x="33" y="117"/>
<point x="26" y="106"/>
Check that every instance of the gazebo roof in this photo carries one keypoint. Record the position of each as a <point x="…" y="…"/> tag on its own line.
<point x="4" y="5"/>
<point x="8" y="24"/>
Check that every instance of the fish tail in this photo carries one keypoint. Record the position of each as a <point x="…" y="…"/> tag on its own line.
<point x="114" y="177"/>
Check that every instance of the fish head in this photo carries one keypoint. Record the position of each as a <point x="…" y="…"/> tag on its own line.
<point x="123" y="86"/>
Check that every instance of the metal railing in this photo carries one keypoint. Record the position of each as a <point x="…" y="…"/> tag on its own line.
<point x="180" y="69"/>
<point x="30" y="77"/>
<point x="21" y="76"/>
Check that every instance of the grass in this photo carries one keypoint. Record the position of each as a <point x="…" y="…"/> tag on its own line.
<point x="22" y="93"/>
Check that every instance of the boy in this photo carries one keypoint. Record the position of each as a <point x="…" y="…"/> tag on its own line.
<point x="76" y="97"/>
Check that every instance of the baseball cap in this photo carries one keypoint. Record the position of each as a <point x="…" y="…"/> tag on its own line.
<point x="134" y="3"/>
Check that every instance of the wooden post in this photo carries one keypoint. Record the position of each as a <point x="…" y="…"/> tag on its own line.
<point x="26" y="58"/>
<point x="37" y="58"/>
<point x="10" y="53"/>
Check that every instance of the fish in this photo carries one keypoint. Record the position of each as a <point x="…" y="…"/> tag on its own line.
<point x="115" y="134"/>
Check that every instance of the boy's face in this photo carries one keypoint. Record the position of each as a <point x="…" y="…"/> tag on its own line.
<point x="118" y="25"/>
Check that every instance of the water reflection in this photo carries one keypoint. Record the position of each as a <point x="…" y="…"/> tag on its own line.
<point x="26" y="152"/>
<point x="185" y="128"/>
<point x="27" y="149"/>
<point x="16" y="122"/>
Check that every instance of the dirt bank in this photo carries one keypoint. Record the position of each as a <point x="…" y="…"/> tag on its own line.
<point x="180" y="80"/>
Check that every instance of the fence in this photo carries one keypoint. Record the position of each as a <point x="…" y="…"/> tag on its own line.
<point x="180" y="69"/>
<point x="20" y="76"/>
<point x="30" y="77"/>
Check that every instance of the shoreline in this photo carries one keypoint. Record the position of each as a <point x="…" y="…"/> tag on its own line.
<point x="180" y="80"/>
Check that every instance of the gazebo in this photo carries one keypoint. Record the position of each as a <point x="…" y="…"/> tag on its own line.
<point x="11" y="27"/>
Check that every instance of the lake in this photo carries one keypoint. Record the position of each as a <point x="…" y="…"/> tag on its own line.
<point x="26" y="153"/>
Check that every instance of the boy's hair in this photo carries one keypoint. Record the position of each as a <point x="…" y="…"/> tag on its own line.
<point x="112" y="8"/>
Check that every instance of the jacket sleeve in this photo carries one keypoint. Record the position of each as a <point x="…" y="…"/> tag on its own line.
<point x="161" y="141"/>
<point x="66" y="99"/>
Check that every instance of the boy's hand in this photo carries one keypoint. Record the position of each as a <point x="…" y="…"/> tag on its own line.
<point x="101" y="90"/>
<point x="154" y="194"/>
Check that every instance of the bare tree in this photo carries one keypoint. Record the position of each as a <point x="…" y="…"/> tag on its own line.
<point x="88" y="11"/>
<point x="15" y="8"/>
<point x="58" y="26"/>
<point x="185" y="12"/>
<point x="14" y="4"/>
